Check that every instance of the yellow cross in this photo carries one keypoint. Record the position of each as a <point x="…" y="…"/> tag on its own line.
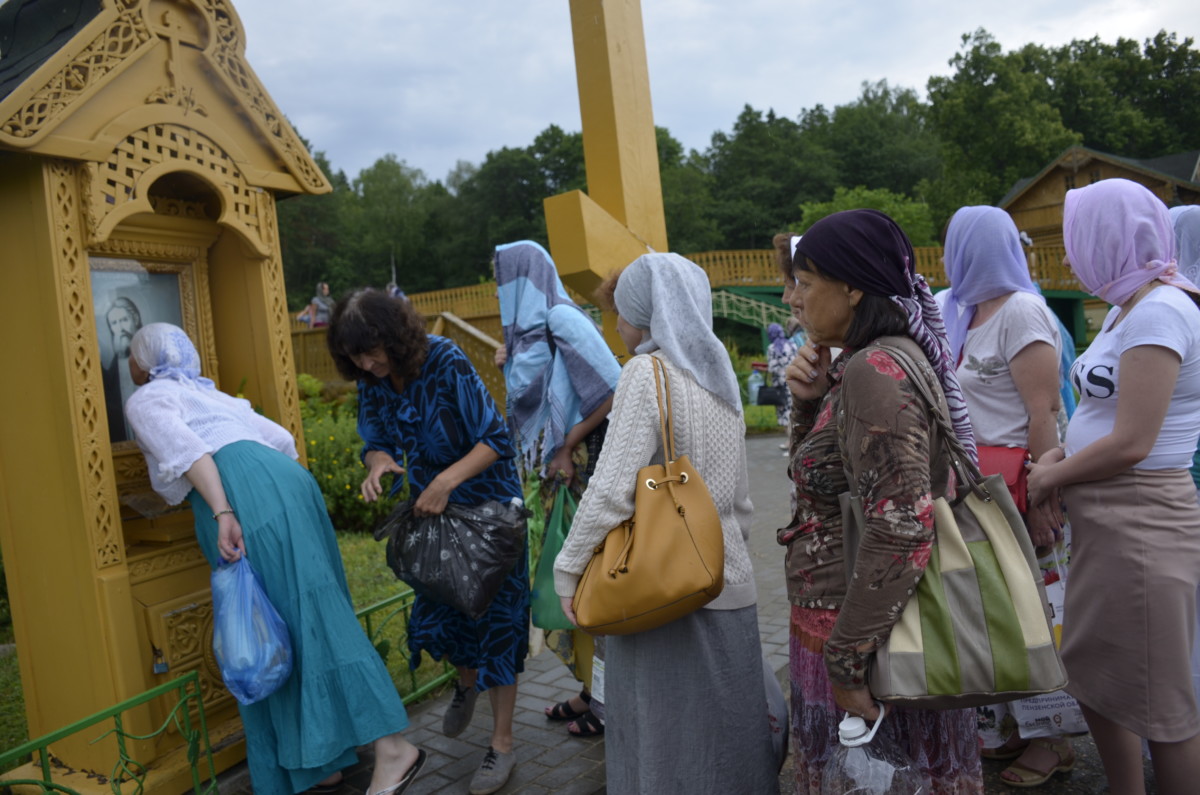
<point x="621" y="215"/>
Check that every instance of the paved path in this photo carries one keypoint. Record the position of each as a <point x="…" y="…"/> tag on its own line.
<point x="550" y="761"/>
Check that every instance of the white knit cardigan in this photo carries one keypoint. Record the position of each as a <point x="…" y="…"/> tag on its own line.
<point x="708" y="430"/>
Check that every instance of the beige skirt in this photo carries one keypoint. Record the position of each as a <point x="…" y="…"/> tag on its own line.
<point x="1130" y="612"/>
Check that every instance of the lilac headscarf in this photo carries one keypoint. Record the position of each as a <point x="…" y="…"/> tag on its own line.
<point x="984" y="260"/>
<point x="1186" y="221"/>
<point x="166" y="351"/>
<point x="1118" y="237"/>
<point x="777" y="336"/>
<point x="867" y="250"/>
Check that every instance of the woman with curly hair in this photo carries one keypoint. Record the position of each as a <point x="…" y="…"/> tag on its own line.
<point x="424" y="412"/>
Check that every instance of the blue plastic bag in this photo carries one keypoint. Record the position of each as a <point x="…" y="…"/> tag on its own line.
<point x="250" y="639"/>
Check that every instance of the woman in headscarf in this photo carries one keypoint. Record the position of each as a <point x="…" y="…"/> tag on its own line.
<point x="686" y="712"/>
<point x="560" y="375"/>
<point x="780" y="352"/>
<point x="250" y="497"/>
<point x="1131" y="604"/>
<point x="853" y="286"/>
<point x="1007" y="344"/>
<point x="320" y="309"/>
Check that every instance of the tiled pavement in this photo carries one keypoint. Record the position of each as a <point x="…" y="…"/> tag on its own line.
<point x="551" y="761"/>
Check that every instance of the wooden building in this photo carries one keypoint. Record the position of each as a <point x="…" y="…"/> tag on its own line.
<point x="140" y="161"/>
<point x="1036" y="203"/>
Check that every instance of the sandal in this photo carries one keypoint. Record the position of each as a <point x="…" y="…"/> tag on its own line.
<point x="1010" y="749"/>
<point x="564" y="711"/>
<point x="1026" y="776"/>
<point x="586" y="725"/>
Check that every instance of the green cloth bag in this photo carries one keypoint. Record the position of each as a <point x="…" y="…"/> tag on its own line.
<point x="547" y="609"/>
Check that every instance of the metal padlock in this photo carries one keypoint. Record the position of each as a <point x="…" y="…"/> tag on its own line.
<point x="160" y="662"/>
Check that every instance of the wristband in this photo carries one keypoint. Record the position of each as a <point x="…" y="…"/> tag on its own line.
<point x="221" y="513"/>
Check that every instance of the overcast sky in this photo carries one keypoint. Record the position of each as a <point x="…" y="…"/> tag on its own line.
<point x="438" y="82"/>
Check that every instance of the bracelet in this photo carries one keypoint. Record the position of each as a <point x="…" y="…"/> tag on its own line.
<point x="222" y="513"/>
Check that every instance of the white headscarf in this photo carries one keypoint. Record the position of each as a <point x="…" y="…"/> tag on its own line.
<point x="165" y="351"/>
<point x="671" y="297"/>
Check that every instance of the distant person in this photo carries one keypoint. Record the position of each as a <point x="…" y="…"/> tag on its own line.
<point x="320" y="309"/>
<point x="124" y="320"/>
<point x="780" y="352"/>
<point x="393" y="290"/>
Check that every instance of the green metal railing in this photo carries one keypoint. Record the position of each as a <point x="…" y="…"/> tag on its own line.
<point x="376" y="628"/>
<point x="128" y="771"/>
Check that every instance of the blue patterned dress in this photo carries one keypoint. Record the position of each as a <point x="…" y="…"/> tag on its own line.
<point x="438" y="418"/>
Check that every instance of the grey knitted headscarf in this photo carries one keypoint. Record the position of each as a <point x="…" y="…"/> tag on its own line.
<point x="671" y="297"/>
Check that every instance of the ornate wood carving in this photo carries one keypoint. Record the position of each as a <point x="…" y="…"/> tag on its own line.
<point x="117" y="187"/>
<point x="79" y="337"/>
<point x="227" y="51"/>
<point x="173" y="560"/>
<point x="126" y="34"/>
<point x="280" y="320"/>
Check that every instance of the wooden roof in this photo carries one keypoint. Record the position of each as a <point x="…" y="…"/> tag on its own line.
<point x="79" y="77"/>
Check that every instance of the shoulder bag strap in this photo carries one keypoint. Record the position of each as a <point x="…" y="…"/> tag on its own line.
<point x="966" y="470"/>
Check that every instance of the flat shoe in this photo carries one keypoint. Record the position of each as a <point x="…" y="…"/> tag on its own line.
<point x="1028" y="777"/>
<point x="458" y="714"/>
<point x="409" y="777"/>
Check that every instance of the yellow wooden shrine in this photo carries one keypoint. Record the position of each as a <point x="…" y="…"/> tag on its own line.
<point x="140" y="161"/>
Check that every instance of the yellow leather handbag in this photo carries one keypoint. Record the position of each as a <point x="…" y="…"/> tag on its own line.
<point x="668" y="559"/>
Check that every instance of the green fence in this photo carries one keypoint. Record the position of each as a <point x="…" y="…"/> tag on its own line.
<point x="390" y="638"/>
<point x="128" y="775"/>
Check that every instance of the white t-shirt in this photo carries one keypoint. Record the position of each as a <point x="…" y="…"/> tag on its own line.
<point x="1166" y="317"/>
<point x="998" y="415"/>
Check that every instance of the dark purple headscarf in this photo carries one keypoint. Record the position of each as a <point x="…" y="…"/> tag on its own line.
<point x="867" y="250"/>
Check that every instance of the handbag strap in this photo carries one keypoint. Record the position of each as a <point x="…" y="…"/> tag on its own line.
<point x="663" y="384"/>
<point x="964" y="467"/>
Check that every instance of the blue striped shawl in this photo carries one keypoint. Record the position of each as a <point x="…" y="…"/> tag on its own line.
<point x="559" y="368"/>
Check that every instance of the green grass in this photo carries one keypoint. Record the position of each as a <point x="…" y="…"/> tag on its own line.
<point x="13" y="729"/>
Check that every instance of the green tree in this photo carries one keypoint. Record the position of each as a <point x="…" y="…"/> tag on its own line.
<point x="997" y="118"/>
<point x="389" y="220"/>
<point x="882" y="140"/>
<point x="312" y="236"/>
<point x="761" y="172"/>
<point x="687" y="197"/>
<point x="913" y="216"/>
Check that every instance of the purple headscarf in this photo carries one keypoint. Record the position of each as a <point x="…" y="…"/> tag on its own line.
<point x="867" y="250"/>
<point x="984" y="260"/>
<point x="1118" y="237"/>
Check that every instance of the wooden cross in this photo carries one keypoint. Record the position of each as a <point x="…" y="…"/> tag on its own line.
<point x="621" y="216"/>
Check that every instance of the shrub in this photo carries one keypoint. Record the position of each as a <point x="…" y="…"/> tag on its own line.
<point x="333" y="446"/>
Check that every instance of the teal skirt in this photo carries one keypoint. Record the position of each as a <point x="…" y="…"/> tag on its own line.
<point x="339" y="695"/>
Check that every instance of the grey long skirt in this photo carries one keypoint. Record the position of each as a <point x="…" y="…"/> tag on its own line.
<point x="686" y="709"/>
<point x="1130" y="612"/>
